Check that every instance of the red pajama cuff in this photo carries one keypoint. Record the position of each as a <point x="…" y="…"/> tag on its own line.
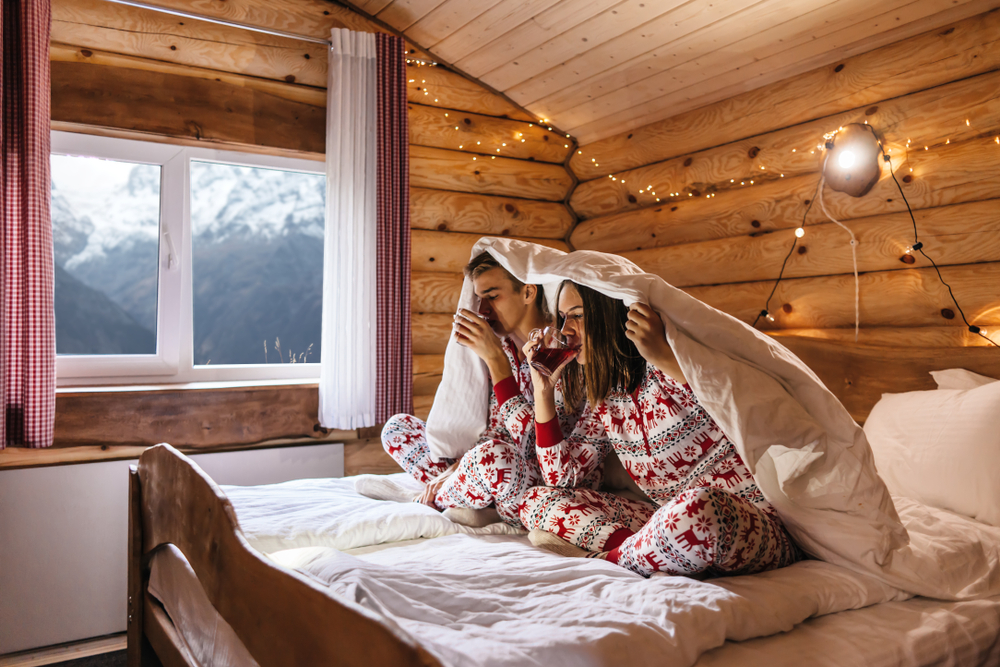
<point x="548" y="434"/>
<point x="506" y="389"/>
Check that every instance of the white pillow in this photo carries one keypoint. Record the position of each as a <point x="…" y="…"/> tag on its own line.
<point x="959" y="378"/>
<point x="941" y="448"/>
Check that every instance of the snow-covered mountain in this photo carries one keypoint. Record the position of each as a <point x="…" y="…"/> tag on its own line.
<point x="257" y="256"/>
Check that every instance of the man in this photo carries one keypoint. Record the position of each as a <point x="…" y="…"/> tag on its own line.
<point x="502" y="465"/>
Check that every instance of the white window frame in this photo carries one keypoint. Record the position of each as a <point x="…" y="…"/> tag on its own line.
<point x="174" y="359"/>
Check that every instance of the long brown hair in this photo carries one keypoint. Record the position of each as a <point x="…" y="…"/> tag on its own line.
<point x="613" y="362"/>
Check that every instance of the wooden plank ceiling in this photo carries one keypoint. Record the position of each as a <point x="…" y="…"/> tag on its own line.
<point x="595" y="68"/>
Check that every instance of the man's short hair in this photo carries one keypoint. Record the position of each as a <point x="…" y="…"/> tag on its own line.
<point x="484" y="261"/>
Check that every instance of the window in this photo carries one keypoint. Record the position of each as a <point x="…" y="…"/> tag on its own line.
<point x="182" y="264"/>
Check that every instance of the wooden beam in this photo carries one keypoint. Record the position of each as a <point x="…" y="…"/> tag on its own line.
<point x="427" y="370"/>
<point x="131" y="31"/>
<point x="366" y="457"/>
<point x="912" y="298"/>
<point x="422" y="406"/>
<point x="927" y="118"/>
<point x="141" y="32"/>
<point x="961" y="50"/>
<point x="435" y="292"/>
<point x="184" y="107"/>
<point x="195" y="418"/>
<point x="897" y="337"/>
<point x="137" y="94"/>
<point x="858" y="375"/>
<point x="458" y="171"/>
<point x="944" y="175"/>
<point x="485" y="135"/>
<point x="487" y="214"/>
<point x="449" y="252"/>
<point x="959" y="234"/>
<point x="430" y="332"/>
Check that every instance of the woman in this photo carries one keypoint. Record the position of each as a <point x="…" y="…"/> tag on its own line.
<point x="706" y="514"/>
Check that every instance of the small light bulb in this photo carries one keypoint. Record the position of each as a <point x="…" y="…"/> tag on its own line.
<point x="770" y="317"/>
<point x="459" y="146"/>
<point x="800" y="232"/>
<point x="846" y="159"/>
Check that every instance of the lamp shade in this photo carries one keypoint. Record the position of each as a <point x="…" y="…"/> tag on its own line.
<point x="852" y="163"/>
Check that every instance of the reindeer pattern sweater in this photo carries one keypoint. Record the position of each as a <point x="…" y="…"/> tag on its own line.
<point x="664" y="438"/>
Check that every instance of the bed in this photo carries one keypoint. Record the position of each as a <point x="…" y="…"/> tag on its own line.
<point x="309" y="572"/>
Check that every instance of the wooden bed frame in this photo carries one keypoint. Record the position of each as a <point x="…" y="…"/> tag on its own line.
<point x="171" y="501"/>
<point x="283" y="618"/>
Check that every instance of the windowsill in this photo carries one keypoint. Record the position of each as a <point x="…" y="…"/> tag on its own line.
<point x="180" y="386"/>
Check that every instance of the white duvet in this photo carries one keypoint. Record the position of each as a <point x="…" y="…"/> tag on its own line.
<point x="808" y="456"/>
<point x="329" y="513"/>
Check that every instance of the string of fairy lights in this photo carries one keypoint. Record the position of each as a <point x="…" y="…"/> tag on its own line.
<point x="645" y="195"/>
<point x="479" y="147"/>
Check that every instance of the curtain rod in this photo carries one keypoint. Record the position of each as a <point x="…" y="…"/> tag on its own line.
<point x="210" y="19"/>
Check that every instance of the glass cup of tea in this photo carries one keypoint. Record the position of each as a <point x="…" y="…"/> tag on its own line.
<point x="553" y="349"/>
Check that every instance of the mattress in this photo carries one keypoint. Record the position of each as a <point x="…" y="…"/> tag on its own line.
<point x="496" y="600"/>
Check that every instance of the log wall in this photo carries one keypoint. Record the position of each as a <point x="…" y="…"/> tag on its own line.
<point x="709" y="200"/>
<point x="479" y="165"/>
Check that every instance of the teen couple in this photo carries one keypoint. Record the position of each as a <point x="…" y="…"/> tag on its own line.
<point x="541" y="459"/>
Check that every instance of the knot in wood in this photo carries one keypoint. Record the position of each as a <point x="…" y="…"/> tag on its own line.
<point x="753" y="152"/>
<point x="86" y="53"/>
<point x="948" y="313"/>
<point x="787" y="307"/>
<point x="839" y="67"/>
<point x="755" y="224"/>
<point x="688" y="162"/>
<point x="907" y="259"/>
<point x="871" y="111"/>
<point x="631" y="199"/>
<point x="442" y="227"/>
<point x="907" y="178"/>
<point x="802" y="250"/>
<point x="467" y="121"/>
<point x="509" y="208"/>
<point x="290" y="78"/>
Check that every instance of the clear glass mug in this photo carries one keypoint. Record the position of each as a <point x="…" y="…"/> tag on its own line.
<point x="553" y="348"/>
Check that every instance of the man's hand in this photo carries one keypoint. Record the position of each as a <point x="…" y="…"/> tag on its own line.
<point x="645" y="329"/>
<point x="476" y="334"/>
<point x="430" y="491"/>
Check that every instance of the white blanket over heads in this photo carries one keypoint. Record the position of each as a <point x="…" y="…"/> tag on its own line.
<point x="809" y="457"/>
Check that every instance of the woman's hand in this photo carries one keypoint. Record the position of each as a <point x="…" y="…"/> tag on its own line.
<point x="475" y="333"/>
<point x="544" y="385"/>
<point x="645" y="329"/>
<point x="430" y="491"/>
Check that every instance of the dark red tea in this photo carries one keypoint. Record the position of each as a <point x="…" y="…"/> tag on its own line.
<point x="547" y="359"/>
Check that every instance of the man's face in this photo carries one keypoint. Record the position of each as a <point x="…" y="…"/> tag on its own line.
<point x="501" y="305"/>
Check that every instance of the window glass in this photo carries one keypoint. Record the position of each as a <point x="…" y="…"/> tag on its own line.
<point x="257" y="253"/>
<point x="105" y="226"/>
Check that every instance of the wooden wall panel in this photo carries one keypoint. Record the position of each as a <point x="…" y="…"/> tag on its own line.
<point x="457" y="170"/>
<point x="912" y="298"/>
<point x="964" y="49"/>
<point x="484" y="214"/>
<point x="449" y="252"/>
<point x="127" y="71"/>
<point x="927" y="118"/>
<point x="485" y="135"/>
<point x="960" y="234"/>
<point x="435" y="292"/>
<point x="946" y="174"/>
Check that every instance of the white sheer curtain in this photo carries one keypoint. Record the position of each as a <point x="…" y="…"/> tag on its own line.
<point x="348" y="358"/>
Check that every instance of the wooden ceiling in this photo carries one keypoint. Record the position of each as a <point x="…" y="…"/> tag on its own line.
<point x="596" y="68"/>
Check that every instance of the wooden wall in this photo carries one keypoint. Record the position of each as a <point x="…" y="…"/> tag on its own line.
<point x="479" y="165"/>
<point x="709" y="199"/>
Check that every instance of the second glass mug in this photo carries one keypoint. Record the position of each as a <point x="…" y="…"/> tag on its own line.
<point x="553" y="348"/>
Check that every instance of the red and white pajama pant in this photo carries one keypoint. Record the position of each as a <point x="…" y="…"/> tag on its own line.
<point x="493" y="472"/>
<point x="702" y="528"/>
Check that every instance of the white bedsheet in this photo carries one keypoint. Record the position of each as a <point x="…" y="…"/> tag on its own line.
<point x="481" y="600"/>
<point x="329" y="513"/>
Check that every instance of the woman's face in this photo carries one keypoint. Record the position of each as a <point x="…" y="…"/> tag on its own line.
<point x="571" y="313"/>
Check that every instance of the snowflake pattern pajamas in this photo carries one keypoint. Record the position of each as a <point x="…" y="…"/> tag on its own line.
<point x="707" y="511"/>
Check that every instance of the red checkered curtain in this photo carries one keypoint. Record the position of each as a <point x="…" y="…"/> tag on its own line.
<point x="394" y="347"/>
<point x="27" y="319"/>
